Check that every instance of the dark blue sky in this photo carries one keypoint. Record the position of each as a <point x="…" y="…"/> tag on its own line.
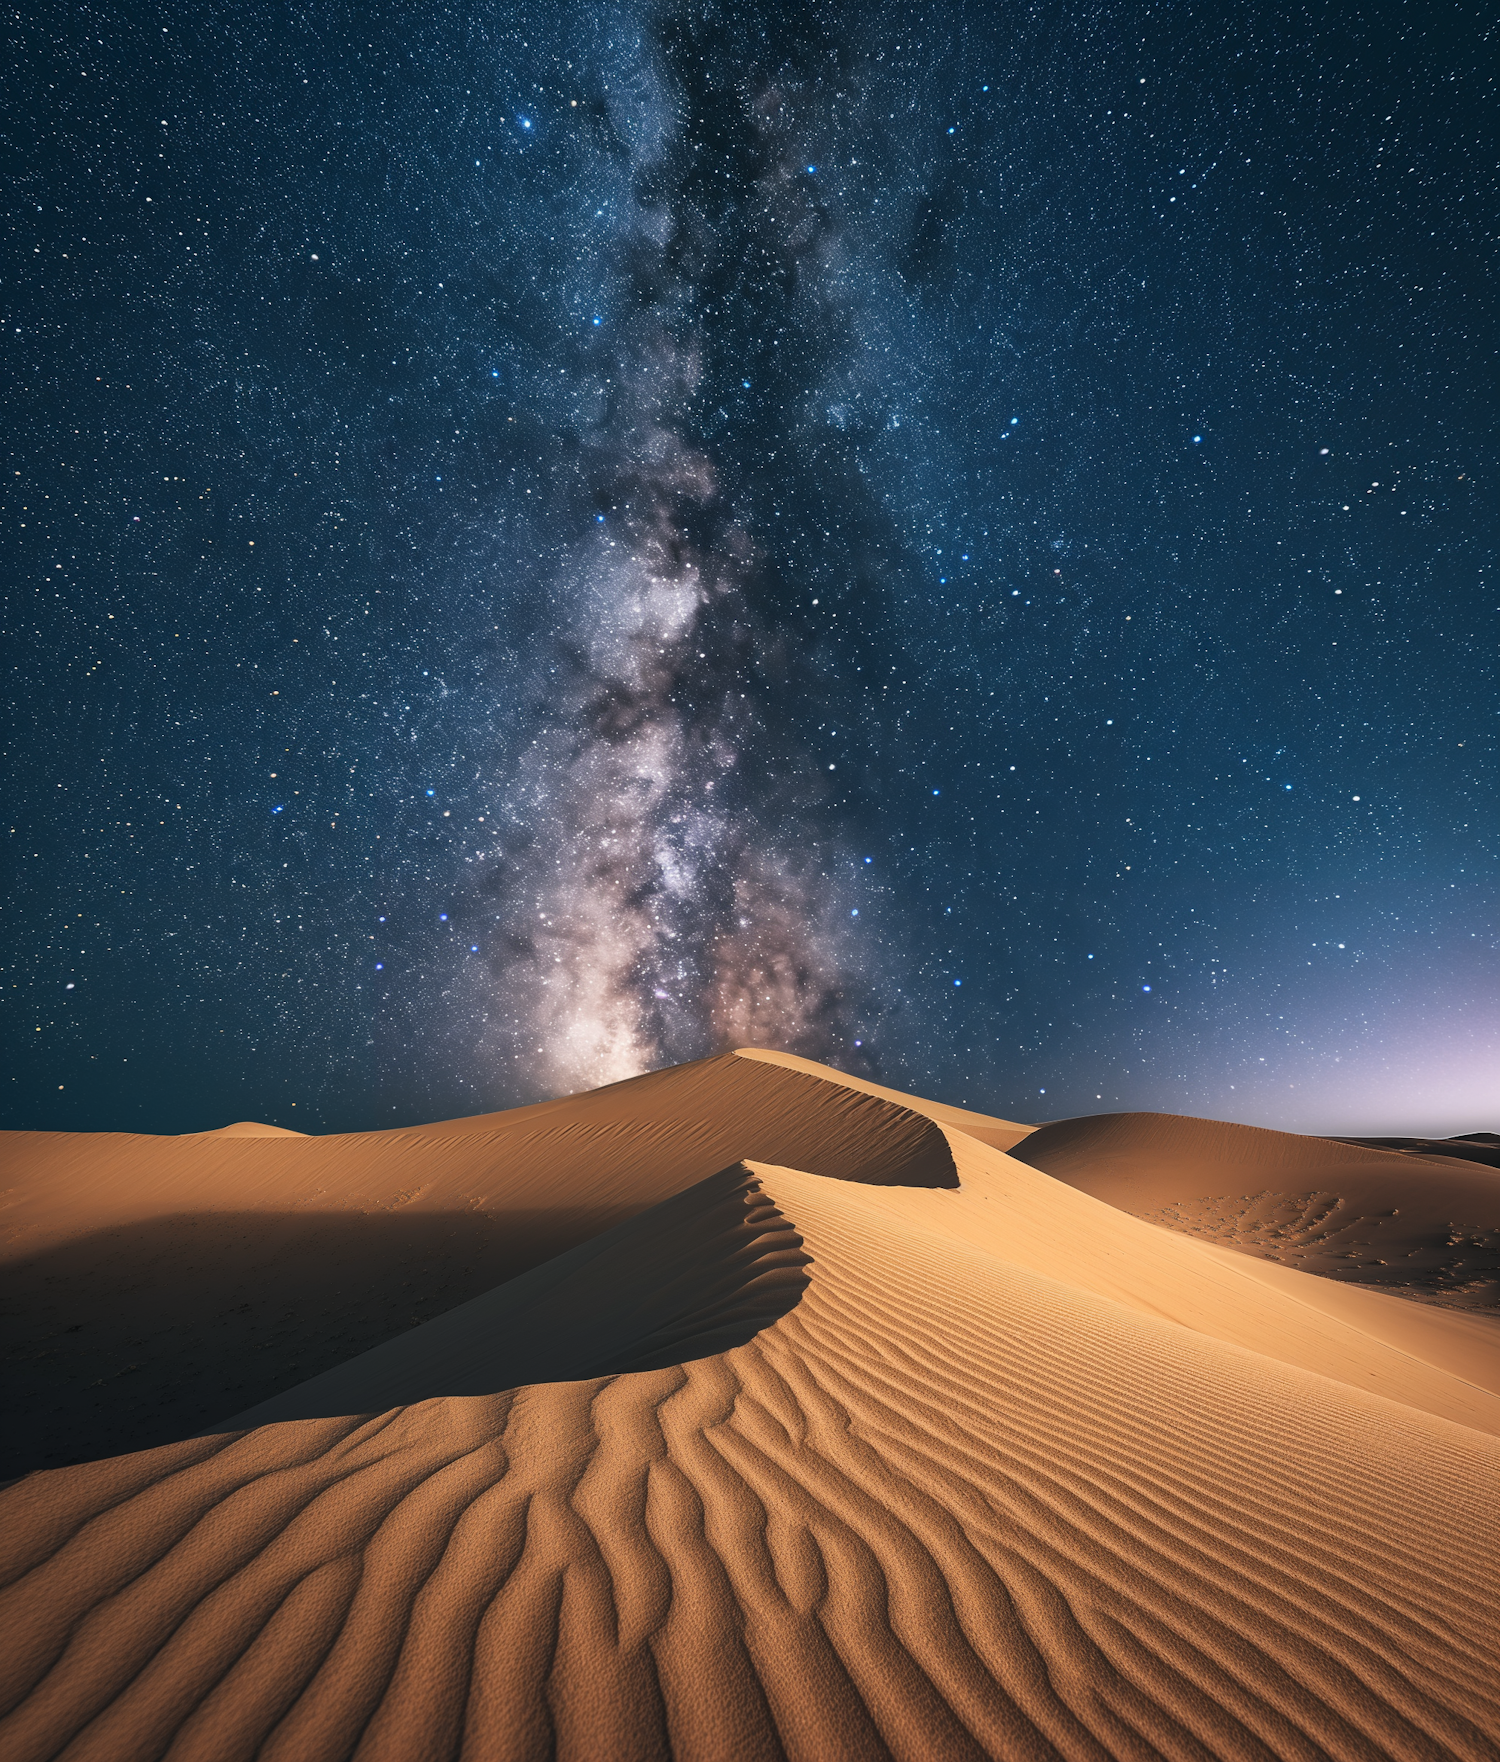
<point x="541" y="544"/>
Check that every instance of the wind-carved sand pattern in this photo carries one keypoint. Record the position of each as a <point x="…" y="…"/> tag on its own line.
<point x="988" y="1470"/>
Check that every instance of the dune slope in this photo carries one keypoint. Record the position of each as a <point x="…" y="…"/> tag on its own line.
<point x="789" y="1464"/>
<point x="1416" y="1225"/>
<point x="156" y="1284"/>
<point x="704" y="1270"/>
<point x="943" y="1506"/>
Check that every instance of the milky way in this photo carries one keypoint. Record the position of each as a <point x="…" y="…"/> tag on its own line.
<point x="656" y="911"/>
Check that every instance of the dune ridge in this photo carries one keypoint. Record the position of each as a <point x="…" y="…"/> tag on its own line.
<point x="248" y="1129"/>
<point x="247" y="1265"/>
<point x="978" y="1468"/>
<point x="698" y="1273"/>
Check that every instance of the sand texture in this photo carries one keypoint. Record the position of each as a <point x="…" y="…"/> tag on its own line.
<point x="898" y="1448"/>
<point x="1422" y="1222"/>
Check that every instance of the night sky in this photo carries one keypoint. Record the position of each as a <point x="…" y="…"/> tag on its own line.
<point x="546" y="542"/>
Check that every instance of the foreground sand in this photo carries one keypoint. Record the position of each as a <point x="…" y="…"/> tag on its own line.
<point x="909" y="1450"/>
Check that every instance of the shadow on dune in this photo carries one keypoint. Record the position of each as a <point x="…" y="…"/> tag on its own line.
<point x="700" y="1273"/>
<point x="145" y="1331"/>
<point x="150" y="1332"/>
<point x="136" y="1335"/>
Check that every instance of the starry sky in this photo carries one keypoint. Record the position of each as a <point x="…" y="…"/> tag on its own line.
<point x="543" y="542"/>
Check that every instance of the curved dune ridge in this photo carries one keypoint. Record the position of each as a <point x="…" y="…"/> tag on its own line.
<point x="1418" y="1223"/>
<point x="156" y="1284"/>
<point x="697" y="1274"/>
<point x="792" y="1464"/>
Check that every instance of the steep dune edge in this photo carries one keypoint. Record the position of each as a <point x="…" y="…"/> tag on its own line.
<point x="997" y="1133"/>
<point x="698" y="1273"/>
<point x="156" y="1284"/>
<point x="943" y="1506"/>
<point x="623" y="1147"/>
<point x="1419" y="1227"/>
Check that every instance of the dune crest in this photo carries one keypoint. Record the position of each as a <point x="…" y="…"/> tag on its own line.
<point x="997" y="1133"/>
<point x="249" y="1129"/>
<point x="805" y="1467"/>
<point x="700" y="1272"/>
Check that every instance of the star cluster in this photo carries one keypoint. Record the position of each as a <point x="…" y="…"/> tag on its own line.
<point x="540" y="547"/>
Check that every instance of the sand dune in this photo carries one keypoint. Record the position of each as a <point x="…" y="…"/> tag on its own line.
<point x="958" y="1461"/>
<point x="697" y="1274"/>
<point x="248" y="1129"/>
<point x="157" y="1284"/>
<point x="1418" y="1225"/>
<point x="998" y="1134"/>
<point x="1480" y="1147"/>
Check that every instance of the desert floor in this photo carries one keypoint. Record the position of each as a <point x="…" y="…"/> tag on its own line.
<point x="747" y="1410"/>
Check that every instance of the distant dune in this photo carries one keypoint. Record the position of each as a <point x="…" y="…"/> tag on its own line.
<point x="746" y="1410"/>
<point x="1422" y="1222"/>
<point x="249" y="1129"/>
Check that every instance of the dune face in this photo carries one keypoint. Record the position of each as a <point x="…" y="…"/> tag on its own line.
<point x="697" y="1274"/>
<point x="1388" y="1215"/>
<point x="156" y="1284"/>
<point x="792" y="1463"/>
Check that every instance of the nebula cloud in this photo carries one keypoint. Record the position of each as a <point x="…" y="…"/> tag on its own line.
<point x="663" y="897"/>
